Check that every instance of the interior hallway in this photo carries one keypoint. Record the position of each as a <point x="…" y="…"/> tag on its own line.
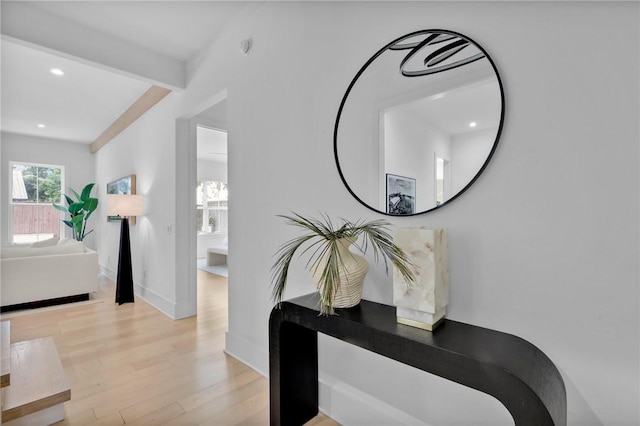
<point x="131" y="364"/>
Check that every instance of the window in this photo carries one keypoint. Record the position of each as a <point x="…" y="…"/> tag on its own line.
<point x="34" y="188"/>
<point x="212" y="199"/>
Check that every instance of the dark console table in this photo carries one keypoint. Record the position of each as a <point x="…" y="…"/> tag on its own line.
<point x="507" y="367"/>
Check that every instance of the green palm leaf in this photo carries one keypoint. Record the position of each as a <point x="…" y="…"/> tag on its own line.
<point x="321" y="240"/>
<point x="86" y="192"/>
<point x="79" y="211"/>
<point x="75" y="208"/>
<point x="76" y="194"/>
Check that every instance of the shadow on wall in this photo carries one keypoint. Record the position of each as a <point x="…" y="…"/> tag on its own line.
<point x="577" y="404"/>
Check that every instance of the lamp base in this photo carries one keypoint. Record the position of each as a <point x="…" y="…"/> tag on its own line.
<point x="124" y="283"/>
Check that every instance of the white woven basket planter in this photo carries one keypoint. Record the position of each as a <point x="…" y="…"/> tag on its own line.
<point x="355" y="267"/>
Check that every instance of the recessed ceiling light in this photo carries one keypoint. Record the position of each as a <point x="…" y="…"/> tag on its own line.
<point x="42" y="126"/>
<point x="472" y="124"/>
<point x="56" y="71"/>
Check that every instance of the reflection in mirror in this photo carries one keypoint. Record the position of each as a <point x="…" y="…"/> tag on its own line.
<point x="427" y="109"/>
<point x="443" y="184"/>
<point x="401" y="195"/>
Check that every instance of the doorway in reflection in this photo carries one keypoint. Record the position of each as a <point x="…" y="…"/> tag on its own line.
<point x="443" y="180"/>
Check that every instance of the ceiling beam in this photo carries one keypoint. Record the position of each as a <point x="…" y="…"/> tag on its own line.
<point x="24" y="23"/>
<point x="143" y="104"/>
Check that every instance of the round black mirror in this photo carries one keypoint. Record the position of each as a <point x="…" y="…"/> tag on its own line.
<point x="419" y="122"/>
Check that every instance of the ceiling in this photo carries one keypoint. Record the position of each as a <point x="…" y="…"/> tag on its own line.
<point x="211" y="133"/>
<point x="211" y="144"/>
<point x="75" y="107"/>
<point x="110" y="52"/>
<point x="177" y="29"/>
<point x="454" y="110"/>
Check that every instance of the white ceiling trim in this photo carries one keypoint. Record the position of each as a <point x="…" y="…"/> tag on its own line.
<point x="24" y="24"/>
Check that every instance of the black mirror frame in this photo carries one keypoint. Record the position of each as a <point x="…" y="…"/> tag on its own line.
<point x="355" y="79"/>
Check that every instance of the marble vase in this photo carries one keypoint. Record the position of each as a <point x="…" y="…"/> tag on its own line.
<point x="423" y="303"/>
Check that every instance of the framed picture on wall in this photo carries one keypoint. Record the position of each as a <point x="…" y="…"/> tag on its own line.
<point x="125" y="185"/>
<point x="401" y="195"/>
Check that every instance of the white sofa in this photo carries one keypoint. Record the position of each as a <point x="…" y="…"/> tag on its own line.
<point x="34" y="274"/>
<point x="217" y="255"/>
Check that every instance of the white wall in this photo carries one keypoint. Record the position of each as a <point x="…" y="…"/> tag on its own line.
<point x="531" y="251"/>
<point x="411" y="145"/>
<point x="468" y="153"/>
<point x="78" y="165"/>
<point x="145" y="149"/>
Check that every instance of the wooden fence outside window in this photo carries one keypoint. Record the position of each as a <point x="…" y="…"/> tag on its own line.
<point x="35" y="219"/>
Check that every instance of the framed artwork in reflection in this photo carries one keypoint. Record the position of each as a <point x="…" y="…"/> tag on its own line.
<point x="401" y="195"/>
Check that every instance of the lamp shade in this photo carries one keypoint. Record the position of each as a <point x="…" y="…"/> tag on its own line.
<point x="124" y="205"/>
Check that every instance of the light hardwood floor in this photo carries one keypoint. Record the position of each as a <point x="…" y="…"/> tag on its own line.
<point x="131" y="364"/>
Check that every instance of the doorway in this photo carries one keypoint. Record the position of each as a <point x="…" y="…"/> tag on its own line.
<point x="212" y="200"/>
<point x="211" y="205"/>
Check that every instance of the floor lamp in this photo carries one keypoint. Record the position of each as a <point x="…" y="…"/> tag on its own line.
<point x="124" y="206"/>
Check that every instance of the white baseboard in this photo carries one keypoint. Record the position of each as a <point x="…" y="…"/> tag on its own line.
<point x="351" y="406"/>
<point x="108" y="272"/>
<point x="343" y="403"/>
<point x="159" y="302"/>
<point x="156" y="300"/>
<point x="247" y="352"/>
<point x="184" y="310"/>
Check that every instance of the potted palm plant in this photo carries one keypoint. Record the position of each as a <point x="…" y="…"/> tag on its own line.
<point x="79" y="211"/>
<point x="337" y="272"/>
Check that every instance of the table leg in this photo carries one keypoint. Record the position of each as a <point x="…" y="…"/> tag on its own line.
<point x="293" y="370"/>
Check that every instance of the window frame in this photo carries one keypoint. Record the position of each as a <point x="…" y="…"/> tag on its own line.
<point x="10" y="204"/>
<point x="205" y="206"/>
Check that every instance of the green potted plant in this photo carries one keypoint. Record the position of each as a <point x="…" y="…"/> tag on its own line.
<point x="337" y="272"/>
<point x="79" y="211"/>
